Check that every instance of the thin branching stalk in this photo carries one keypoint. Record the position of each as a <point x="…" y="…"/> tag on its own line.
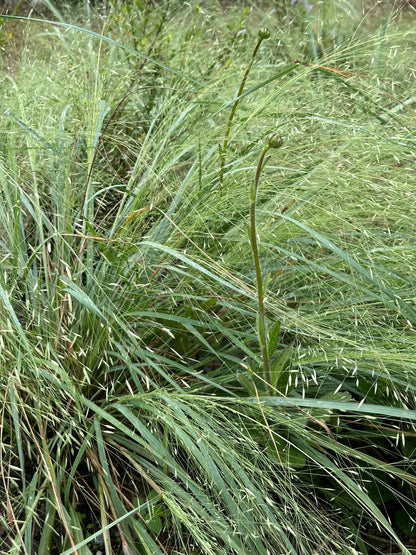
<point x="263" y="35"/>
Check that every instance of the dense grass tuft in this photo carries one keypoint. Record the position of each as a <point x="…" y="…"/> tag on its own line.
<point x="154" y="400"/>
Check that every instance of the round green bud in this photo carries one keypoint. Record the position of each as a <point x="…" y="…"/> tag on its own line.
<point x="274" y="141"/>
<point x="264" y="33"/>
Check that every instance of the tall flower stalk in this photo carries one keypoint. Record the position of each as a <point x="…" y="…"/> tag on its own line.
<point x="273" y="141"/>
<point x="262" y="35"/>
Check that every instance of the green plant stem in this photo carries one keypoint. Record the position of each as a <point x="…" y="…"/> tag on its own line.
<point x="223" y="148"/>
<point x="260" y="285"/>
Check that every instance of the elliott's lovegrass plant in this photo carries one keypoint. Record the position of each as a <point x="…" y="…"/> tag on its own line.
<point x="168" y="386"/>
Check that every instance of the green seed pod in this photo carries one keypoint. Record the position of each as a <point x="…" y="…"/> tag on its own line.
<point x="274" y="141"/>
<point x="264" y="33"/>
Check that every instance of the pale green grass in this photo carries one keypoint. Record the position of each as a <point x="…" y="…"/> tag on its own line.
<point x="128" y="296"/>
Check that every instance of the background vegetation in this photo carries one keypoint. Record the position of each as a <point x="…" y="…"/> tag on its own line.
<point x="136" y="416"/>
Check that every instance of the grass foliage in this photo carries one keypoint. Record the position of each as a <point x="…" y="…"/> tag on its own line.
<point x="135" y="415"/>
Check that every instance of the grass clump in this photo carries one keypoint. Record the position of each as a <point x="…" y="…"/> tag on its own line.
<point x="143" y="410"/>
